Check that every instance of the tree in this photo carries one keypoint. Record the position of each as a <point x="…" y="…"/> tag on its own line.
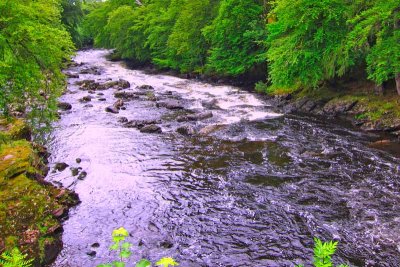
<point x="186" y="46"/>
<point x="376" y="30"/>
<point x="236" y="37"/>
<point x="33" y="47"/>
<point x="307" y="42"/>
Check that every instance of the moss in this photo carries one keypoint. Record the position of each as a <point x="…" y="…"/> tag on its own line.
<point x="14" y="129"/>
<point x="26" y="204"/>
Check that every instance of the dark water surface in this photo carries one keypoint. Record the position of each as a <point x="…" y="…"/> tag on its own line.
<point x="253" y="192"/>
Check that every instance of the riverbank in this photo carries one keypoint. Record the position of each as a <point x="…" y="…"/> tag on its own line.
<point x="31" y="209"/>
<point x="355" y="102"/>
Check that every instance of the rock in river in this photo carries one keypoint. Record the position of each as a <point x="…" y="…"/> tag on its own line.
<point x="170" y="104"/>
<point x="152" y="128"/>
<point x="64" y="106"/>
<point x="112" y="109"/>
<point x="186" y="130"/>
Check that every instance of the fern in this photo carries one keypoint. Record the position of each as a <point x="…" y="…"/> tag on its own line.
<point x="15" y="259"/>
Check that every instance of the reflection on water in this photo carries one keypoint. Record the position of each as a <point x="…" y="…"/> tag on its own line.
<point x="254" y="186"/>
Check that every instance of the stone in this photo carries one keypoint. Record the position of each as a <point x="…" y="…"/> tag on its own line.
<point x="78" y="160"/>
<point x="195" y="117"/>
<point x="112" y="109"/>
<point x="102" y="99"/>
<point x="140" y="123"/>
<point x="60" y="166"/>
<point x="72" y="75"/>
<point x="82" y="175"/>
<point x="186" y="130"/>
<point x="126" y="95"/>
<point x="170" y="104"/>
<point x="212" y="104"/>
<point x="152" y="128"/>
<point x="119" y="104"/>
<point x="85" y="99"/>
<point x="91" y="253"/>
<point x="64" y="106"/>
<point x="145" y="87"/>
<point x="74" y="171"/>
<point x="123" y="120"/>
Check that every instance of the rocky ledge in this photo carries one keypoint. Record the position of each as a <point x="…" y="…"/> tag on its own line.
<point x="31" y="209"/>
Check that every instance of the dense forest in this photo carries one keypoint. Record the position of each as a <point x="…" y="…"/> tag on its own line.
<point x="294" y="43"/>
<point x="285" y="44"/>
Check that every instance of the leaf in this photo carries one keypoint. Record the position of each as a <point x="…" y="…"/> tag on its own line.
<point x="126" y="245"/>
<point x="166" y="262"/>
<point x="125" y="254"/>
<point x="105" y="265"/>
<point x="143" y="263"/>
<point x="114" y="246"/>
<point x="119" y="264"/>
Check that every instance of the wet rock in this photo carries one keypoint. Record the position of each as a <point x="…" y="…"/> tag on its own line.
<point x="139" y="124"/>
<point x="211" y="129"/>
<point x="170" y="104"/>
<point x="78" y="160"/>
<point x="60" y="212"/>
<point x="51" y="249"/>
<point x="336" y="107"/>
<point x="87" y="85"/>
<point x="123" y="120"/>
<point x="95" y="245"/>
<point x="126" y="95"/>
<point x="91" y="253"/>
<point x="195" y="117"/>
<point x="64" y="106"/>
<point x="82" y="175"/>
<point x="145" y="87"/>
<point x="61" y="166"/>
<point x="85" y="99"/>
<point x="72" y="75"/>
<point x="74" y="171"/>
<point x="186" y="130"/>
<point x="91" y="70"/>
<point x="119" y="104"/>
<point x="212" y="104"/>
<point x="88" y="106"/>
<point x="112" y="109"/>
<point x="152" y="128"/>
<point x="102" y="99"/>
<point x="123" y="84"/>
<point x="166" y="244"/>
<point x="100" y="94"/>
<point x="141" y="243"/>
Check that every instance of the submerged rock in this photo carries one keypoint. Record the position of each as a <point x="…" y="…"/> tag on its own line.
<point x="170" y="104"/>
<point x="186" y="130"/>
<point x="140" y="123"/>
<point x="195" y="117"/>
<point x="126" y="95"/>
<point x="145" y="87"/>
<point x="152" y="128"/>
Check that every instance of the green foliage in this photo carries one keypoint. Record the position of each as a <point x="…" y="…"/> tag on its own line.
<point x="186" y="46"/>
<point x="307" y="42"/>
<point x="72" y="15"/>
<point x="124" y="252"/>
<point x="323" y="252"/>
<point x="376" y="30"/>
<point x="33" y="47"/>
<point x="15" y="259"/>
<point x="236" y="37"/>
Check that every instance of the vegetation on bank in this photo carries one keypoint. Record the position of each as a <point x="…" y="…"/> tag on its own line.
<point x="30" y="208"/>
<point x="297" y="44"/>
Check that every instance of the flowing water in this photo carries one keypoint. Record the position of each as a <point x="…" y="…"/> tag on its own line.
<point x="250" y="190"/>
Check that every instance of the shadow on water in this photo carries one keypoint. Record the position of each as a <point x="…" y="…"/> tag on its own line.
<point x="252" y="188"/>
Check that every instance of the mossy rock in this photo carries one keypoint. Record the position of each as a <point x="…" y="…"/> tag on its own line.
<point x="28" y="207"/>
<point x="14" y="129"/>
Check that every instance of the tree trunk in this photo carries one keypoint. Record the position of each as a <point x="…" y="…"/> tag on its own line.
<point x="379" y="89"/>
<point x="397" y="78"/>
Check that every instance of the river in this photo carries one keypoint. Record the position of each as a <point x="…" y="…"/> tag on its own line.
<point x="251" y="188"/>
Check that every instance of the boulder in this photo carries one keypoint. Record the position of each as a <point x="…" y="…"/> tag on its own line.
<point x="170" y="104"/>
<point x="186" y="130"/>
<point x="64" y="106"/>
<point x="112" y="109"/>
<point x="152" y="128"/>
<point x="72" y="75"/>
<point x="145" y="87"/>
<point x="60" y="166"/>
<point x="212" y="104"/>
<point x="195" y="117"/>
<point x="119" y="103"/>
<point x="85" y="99"/>
<point x="140" y="123"/>
<point x="126" y="95"/>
